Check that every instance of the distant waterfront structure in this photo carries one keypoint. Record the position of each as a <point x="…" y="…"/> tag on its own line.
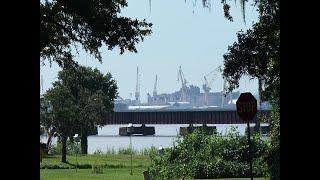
<point x="195" y="101"/>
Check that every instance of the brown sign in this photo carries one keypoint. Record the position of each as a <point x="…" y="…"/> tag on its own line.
<point x="246" y="106"/>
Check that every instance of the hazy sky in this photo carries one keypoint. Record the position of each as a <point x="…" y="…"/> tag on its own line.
<point x="182" y="35"/>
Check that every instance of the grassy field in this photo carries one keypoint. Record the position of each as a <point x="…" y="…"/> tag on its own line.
<point x="116" y="167"/>
<point x="86" y="174"/>
<point x="112" y="160"/>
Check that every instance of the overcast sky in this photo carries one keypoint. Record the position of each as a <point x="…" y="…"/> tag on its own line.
<point x="182" y="35"/>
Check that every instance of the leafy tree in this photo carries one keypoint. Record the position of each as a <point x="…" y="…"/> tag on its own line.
<point x="90" y="23"/>
<point x="273" y="155"/>
<point x="46" y="121"/>
<point x="226" y="6"/>
<point x="94" y="94"/>
<point x="62" y="114"/>
<point x="257" y="53"/>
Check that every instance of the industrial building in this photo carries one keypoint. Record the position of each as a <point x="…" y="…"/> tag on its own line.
<point x="187" y="97"/>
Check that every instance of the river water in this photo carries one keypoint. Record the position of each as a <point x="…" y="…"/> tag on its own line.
<point x="165" y="135"/>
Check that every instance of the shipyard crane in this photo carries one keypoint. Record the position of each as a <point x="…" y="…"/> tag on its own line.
<point x="206" y="88"/>
<point x="224" y="90"/>
<point x="183" y="85"/>
<point x="225" y="93"/>
<point x="207" y="85"/>
<point x="155" y="87"/>
<point x="137" y="93"/>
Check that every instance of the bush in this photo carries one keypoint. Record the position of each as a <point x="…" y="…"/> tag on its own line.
<point x="98" y="152"/>
<point x="111" y="151"/>
<point x="114" y="166"/>
<point x="148" y="151"/>
<point x="97" y="169"/>
<point x="72" y="148"/>
<point x="56" y="166"/>
<point x="273" y="156"/>
<point x="64" y="166"/>
<point x="127" y="151"/>
<point x="198" y="155"/>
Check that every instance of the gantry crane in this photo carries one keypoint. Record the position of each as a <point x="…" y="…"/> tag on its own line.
<point x="155" y="87"/>
<point x="225" y="92"/>
<point x="183" y="85"/>
<point x="207" y="85"/>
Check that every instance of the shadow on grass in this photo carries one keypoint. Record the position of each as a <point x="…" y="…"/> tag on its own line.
<point x="80" y="166"/>
<point x="49" y="156"/>
<point x="69" y="165"/>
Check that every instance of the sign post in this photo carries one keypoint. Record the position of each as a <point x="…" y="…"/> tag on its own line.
<point x="130" y="131"/>
<point x="247" y="109"/>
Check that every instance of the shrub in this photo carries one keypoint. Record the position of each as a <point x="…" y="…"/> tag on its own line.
<point x="56" y="166"/>
<point x="273" y="155"/>
<point x="98" y="152"/>
<point x="110" y="151"/>
<point x="114" y="166"/>
<point x="72" y="148"/>
<point x="199" y="155"/>
<point x="148" y="151"/>
<point x="127" y="151"/>
<point x="97" y="169"/>
<point x="64" y="166"/>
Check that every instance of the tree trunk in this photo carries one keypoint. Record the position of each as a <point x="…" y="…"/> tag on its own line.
<point x="64" y="149"/>
<point x="50" y="136"/>
<point x="257" y="128"/>
<point x="84" y="143"/>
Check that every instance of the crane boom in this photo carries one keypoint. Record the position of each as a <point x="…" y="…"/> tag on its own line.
<point x="137" y="93"/>
<point x="155" y="87"/>
<point x="183" y="85"/>
<point x="207" y="84"/>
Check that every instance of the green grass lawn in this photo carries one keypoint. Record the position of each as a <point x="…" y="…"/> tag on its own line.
<point x="113" y="160"/>
<point x="117" y="167"/>
<point x="243" y="179"/>
<point x="86" y="174"/>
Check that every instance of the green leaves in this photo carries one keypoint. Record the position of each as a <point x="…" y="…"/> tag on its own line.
<point x="90" y="23"/>
<point x="78" y="101"/>
<point x="198" y="156"/>
<point x="63" y="108"/>
<point x="257" y="53"/>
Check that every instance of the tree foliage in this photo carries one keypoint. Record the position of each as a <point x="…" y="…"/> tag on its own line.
<point x="63" y="109"/>
<point x="77" y="103"/>
<point x="94" y="94"/>
<point x="226" y="7"/>
<point x="45" y="119"/>
<point x="273" y="155"/>
<point x="91" y="23"/>
<point x="202" y="156"/>
<point x="62" y="113"/>
<point x="257" y="52"/>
